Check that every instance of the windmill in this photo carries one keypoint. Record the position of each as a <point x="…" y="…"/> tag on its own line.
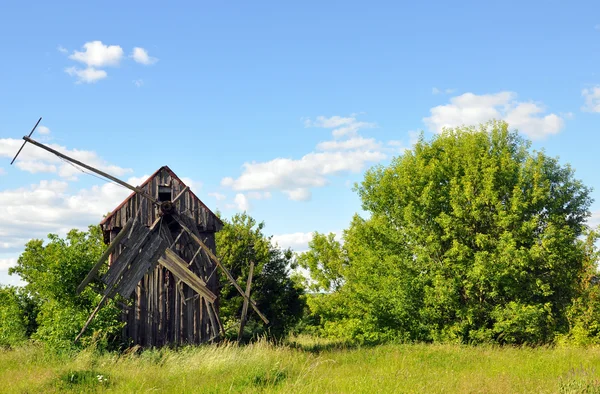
<point x="158" y="257"/>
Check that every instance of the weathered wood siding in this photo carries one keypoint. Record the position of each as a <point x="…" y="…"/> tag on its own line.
<point x="163" y="310"/>
<point x="188" y="204"/>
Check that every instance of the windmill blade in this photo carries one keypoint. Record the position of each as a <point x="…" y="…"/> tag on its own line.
<point x="179" y="267"/>
<point x="118" y="270"/>
<point x="23" y="146"/>
<point x="220" y="265"/>
<point x="124" y="231"/>
<point x="97" y="171"/>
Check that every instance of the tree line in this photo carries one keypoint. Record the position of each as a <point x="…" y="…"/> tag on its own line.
<point x="470" y="237"/>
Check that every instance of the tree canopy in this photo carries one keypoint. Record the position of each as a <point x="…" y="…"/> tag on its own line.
<point x="472" y="237"/>
<point x="276" y="294"/>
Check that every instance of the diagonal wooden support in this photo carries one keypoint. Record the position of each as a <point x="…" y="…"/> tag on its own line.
<point x="181" y="193"/>
<point x="105" y="255"/>
<point x="107" y="292"/>
<point x="89" y="320"/>
<point x="178" y="267"/>
<point x="245" y="307"/>
<point x="221" y="266"/>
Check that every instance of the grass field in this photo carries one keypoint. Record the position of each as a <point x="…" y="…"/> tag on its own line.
<point x="306" y="368"/>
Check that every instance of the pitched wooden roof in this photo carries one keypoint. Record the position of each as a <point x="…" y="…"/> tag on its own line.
<point x="109" y="220"/>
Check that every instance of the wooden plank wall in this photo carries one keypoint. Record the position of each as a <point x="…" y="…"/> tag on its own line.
<point x="165" y="311"/>
<point x="162" y="310"/>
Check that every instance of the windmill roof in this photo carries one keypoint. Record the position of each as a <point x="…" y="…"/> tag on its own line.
<point x="166" y="168"/>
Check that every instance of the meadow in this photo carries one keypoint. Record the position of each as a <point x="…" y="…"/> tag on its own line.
<point x="305" y="366"/>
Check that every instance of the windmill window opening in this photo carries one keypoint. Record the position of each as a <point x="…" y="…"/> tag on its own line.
<point x="164" y="193"/>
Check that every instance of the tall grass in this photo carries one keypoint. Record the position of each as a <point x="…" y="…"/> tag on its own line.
<point x="303" y="367"/>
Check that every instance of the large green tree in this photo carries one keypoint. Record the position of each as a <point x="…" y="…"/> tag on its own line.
<point x="472" y="237"/>
<point x="52" y="272"/>
<point x="277" y="295"/>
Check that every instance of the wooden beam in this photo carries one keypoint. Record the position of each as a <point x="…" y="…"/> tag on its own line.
<point x="178" y="267"/>
<point x="213" y="320"/>
<point x="221" y="266"/>
<point x="104" y="256"/>
<point x="143" y="262"/>
<point x="102" y="173"/>
<point x="23" y="146"/>
<point x="178" y="196"/>
<point x="89" y="320"/>
<point x="132" y="250"/>
<point x="245" y="307"/>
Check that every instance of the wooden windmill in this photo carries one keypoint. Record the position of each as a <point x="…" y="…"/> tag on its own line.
<point x="161" y="253"/>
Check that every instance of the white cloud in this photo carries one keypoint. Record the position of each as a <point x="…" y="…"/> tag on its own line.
<point x="43" y="130"/>
<point x="86" y="75"/>
<point x="33" y="159"/>
<point x="50" y="207"/>
<point x="259" y="195"/>
<point x="343" y="126"/>
<point x="470" y="109"/>
<point x="329" y="123"/>
<point x="349" y="144"/>
<point x="138" y="180"/>
<point x="2" y="171"/>
<point x="35" y="166"/>
<point x="309" y="171"/>
<point x="298" y="194"/>
<point x="296" y="241"/>
<point x="441" y="91"/>
<point x="96" y="54"/>
<point x="62" y="49"/>
<point x="397" y="145"/>
<point x="193" y="185"/>
<point x="592" y="99"/>
<point x="140" y="55"/>
<point x="7" y="263"/>
<point x="241" y="202"/>
<point x="594" y="220"/>
<point x="348" y="152"/>
<point x="218" y="196"/>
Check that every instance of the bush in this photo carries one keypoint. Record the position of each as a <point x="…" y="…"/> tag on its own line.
<point x="13" y="318"/>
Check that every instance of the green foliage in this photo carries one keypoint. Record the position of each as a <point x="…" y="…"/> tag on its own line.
<point x="325" y="260"/>
<point x="53" y="272"/>
<point x="471" y="238"/>
<point x="13" y="319"/>
<point x="584" y="313"/>
<point x="277" y="295"/>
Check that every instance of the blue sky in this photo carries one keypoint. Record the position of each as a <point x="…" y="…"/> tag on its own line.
<point x="275" y="107"/>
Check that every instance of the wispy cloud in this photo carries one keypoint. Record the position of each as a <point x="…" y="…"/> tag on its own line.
<point x="441" y="91"/>
<point x="138" y="83"/>
<point x="140" y="55"/>
<point x="592" y="99"/>
<point x="342" y="126"/>
<point x="43" y="130"/>
<point x="347" y="152"/>
<point x="218" y="196"/>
